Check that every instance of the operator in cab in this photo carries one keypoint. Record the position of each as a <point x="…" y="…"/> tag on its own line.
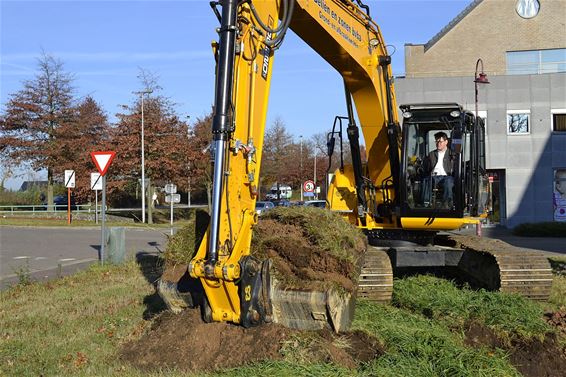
<point x="440" y="165"/>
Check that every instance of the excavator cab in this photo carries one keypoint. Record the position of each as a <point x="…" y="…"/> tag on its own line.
<point x="461" y="189"/>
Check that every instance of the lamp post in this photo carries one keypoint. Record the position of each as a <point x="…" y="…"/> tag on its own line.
<point x="141" y="93"/>
<point x="301" y="170"/>
<point x="479" y="78"/>
<point x="314" y="175"/>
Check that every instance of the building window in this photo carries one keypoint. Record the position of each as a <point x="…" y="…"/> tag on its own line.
<point x="558" y="120"/>
<point x="536" y="61"/>
<point x="518" y="122"/>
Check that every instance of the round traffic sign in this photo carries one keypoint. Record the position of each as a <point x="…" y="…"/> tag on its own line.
<point x="308" y="186"/>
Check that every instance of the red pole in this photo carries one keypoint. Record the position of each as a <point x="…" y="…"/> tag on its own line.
<point x="69" y="206"/>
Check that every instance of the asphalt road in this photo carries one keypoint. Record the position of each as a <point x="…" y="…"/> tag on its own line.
<point x="43" y="249"/>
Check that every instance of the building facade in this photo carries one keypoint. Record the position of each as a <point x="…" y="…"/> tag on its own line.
<point x="522" y="46"/>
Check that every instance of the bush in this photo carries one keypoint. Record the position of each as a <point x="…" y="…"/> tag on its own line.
<point x="544" y="229"/>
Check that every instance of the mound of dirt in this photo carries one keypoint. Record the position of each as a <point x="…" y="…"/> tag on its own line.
<point x="531" y="357"/>
<point x="298" y="262"/>
<point x="185" y="342"/>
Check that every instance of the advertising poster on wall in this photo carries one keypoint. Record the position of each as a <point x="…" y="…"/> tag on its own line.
<point x="560" y="194"/>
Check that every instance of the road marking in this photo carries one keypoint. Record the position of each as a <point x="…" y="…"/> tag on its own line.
<point x="22" y="257"/>
<point x="67" y="259"/>
<point x="34" y="271"/>
<point x="40" y="258"/>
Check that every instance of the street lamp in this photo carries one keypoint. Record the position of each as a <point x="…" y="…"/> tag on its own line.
<point x="301" y="170"/>
<point x="143" y="152"/>
<point x="479" y="78"/>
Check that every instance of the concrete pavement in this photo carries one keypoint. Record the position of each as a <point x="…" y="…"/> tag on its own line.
<point x="550" y="245"/>
<point x="46" y="252"/>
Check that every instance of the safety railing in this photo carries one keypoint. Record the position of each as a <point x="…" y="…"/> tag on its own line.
<point x="43" y="208"/>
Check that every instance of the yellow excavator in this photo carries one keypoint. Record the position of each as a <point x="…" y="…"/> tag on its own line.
<point x="392" y="196"/>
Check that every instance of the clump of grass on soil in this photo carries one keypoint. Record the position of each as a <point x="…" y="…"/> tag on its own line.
<point x="183" y="245"/>
<point x="310" y="248"/>
<point x="509" y="315"/>
<point x="543" y="229"/>
<point x="306" y="245"/>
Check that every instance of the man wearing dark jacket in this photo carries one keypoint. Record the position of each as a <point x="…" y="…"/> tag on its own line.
<point x="440" y="164"/>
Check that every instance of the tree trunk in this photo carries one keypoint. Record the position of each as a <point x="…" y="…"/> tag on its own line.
<point x="49" y="189"/>
<point x="149" y="202"/>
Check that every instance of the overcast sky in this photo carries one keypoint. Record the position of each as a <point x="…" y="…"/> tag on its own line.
<point x="105" y="43"/>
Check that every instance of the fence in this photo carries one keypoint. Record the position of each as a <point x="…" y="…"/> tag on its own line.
<point x="42" y="208"/>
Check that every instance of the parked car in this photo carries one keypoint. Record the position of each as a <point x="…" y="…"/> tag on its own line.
<point x="282" y="203"/>
<point x="262" y="207"/>
<point x="60" y="202"/>
<point x="315" y="203"/>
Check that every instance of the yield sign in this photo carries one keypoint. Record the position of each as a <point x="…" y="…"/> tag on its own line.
<point x="102" y="160"/>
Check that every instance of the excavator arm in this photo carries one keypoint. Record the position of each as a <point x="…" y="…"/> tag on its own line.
<point x="235" y="283"/>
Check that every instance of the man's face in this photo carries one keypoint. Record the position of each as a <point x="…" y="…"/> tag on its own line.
<point x="441" y="144"/>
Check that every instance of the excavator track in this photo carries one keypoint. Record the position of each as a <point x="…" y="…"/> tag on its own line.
<point x="376" y="277"/>
<point x="526" y="273"/>
<point x="485" y="264"/>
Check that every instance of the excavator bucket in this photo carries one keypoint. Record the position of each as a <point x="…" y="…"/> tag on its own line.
<point x="292" y="308"/>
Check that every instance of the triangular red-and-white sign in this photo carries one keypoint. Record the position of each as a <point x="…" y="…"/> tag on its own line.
<point x="102" y="160"/>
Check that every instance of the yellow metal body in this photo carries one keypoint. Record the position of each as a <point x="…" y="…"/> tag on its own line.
<point x="350" y="42"/>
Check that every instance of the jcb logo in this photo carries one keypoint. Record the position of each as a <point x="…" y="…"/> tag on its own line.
<point x="248" y="293"/>
<point x="266" y="52"/>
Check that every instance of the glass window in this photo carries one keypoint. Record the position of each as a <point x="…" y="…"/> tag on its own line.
<point x="536" y="61"/>
<point x="559" y="120"/>
<point x="518" y="122"/>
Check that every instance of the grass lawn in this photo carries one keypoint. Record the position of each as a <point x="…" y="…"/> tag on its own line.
<point x="74" y="326"/>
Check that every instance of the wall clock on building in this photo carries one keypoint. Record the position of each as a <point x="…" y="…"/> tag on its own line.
<point x="527" y="8"/>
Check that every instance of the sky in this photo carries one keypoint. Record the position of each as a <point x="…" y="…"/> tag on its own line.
<point x="105" y="44"/>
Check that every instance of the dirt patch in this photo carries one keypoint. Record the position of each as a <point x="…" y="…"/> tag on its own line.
<point x="185" y="342"/>
<point x="531" y="357"/>
<point x="300" y="264"/>
<point x="557" y="319"/>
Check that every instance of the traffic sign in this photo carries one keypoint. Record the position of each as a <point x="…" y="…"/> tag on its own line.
<point x="95" y="181"/>
<point x="102" y="160"/>
<point x="170" y="188"/>
<point x="308" y="186"/>
<point x="173" y="198"/>
<point x="69" y="178"/>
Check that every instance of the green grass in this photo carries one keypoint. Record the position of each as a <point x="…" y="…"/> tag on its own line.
<point x="418" y="346"/>
<point x="439" y="299"/>
<point x="543" y="229"/>
<point x="74" y="327"/>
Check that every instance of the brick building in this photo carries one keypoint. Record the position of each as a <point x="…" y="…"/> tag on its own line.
<point x="522" y="45"/>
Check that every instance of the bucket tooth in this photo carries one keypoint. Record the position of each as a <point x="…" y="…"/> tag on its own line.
<point x="177" y="289"/>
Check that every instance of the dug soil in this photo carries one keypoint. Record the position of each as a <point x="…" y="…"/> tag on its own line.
<point x="301" y="264"/>
<point x="185" y="342"/>
<point x="301" y="260"/>
<point x="533" y="357"/>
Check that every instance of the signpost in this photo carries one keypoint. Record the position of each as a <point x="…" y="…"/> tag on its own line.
<point x="102" y="161"/>
<point x="69" y="183"/>
<point x="96" y="185"/>
<point x="173" y="197"/>
<point x="308" y="186"/>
